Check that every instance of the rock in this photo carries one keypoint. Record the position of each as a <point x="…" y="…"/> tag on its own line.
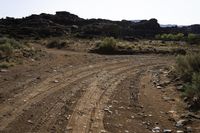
<point x="90" y="66"/>
<point x="189" y="129"/>
<point x="120" y="125"/>
<point x="167" y="98"/>
<point x="150" y="115"/>
<point x="156" y="130"/>
<point x="30" y="121"/>
<point x="167" y="131"/>
<point x="159" y="87"/>
<point x="4" y="70"/>
<point x="108" y="110"/>
<point x="179" y="88"/>
<point x="179" y="131"/>
<point x="181" y="123"/>
<point x="69" y="128"/>
<point x="126" y="131"/>
<point x="56" y="81"/>
<point x="185" y="99"/>
<point x="132" y="117"/>
<point x="103" y="131"/>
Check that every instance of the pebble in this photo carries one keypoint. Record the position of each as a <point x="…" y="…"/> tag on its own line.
<point x="156" y="130"/>
<point x="180" y="123"/>
<point x="103" y="131"/>
<point x="108" y="110"/>
<point x="126" y="131"/>
<point x="180" y="88"/>
<point x="132" y="117"/>
<point x="30" y="121"/>
<point x="179" y="131"/>
<point x="167" y="131"/>
<point x="69" y="128"/>
<point x="189" y="129"/>
<point x="167" y="98"/>
<point x="158" y="87"/>
<point x="3" y="70"/>
<point x="55" y="81"/>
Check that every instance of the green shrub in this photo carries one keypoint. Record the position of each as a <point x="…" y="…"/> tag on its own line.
<point x="170" y="37"/>
<point x="108" y="44"/>
<point x="179" y="36"/>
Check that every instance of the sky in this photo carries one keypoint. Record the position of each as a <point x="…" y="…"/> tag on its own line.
<point x="181" y="12"/>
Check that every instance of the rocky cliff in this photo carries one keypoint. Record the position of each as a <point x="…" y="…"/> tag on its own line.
<point x="65" y="23"/>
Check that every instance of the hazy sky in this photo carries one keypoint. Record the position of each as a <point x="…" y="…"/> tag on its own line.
<point x="182" y="12"/>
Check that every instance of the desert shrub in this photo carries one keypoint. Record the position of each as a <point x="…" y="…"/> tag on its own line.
<point x="179" y="51"/>
<point x="193" y="38"/>
<point x="193" y="88"/>
<point x="4" y="65"/>
<point x="187" y="65"/>
<point x="192" y="91"/>
<point x="12" y="42"/>
<point x="7" y="49"/>
<point x="158" y="37"/>
<point x="108" y="44"/>
<point x="188" y="68"/>
<point x="7" y="46"/>
<point x="56" y="44"/>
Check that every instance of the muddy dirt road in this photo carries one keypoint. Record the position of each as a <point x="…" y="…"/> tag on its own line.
<point x="87" y="93"/>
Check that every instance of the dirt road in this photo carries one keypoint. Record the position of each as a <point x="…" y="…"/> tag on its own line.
<point x="82" y="93"/>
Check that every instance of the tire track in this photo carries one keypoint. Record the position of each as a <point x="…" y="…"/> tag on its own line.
<point x="49" y="121"/>
<point x="83" y="119"/>
<point x="39" y="95"/>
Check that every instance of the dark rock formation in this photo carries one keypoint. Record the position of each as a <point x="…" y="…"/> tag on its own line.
<point x="62" y="23"/>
